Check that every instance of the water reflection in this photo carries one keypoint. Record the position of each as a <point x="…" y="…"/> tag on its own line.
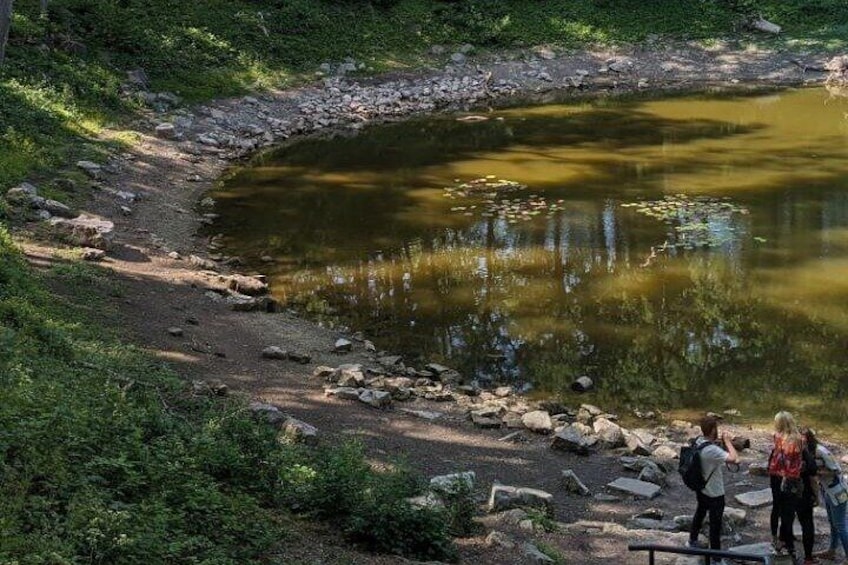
<point x="744" y="306"/>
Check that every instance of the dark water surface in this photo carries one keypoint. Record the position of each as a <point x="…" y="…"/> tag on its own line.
<point x="687" y="253"/>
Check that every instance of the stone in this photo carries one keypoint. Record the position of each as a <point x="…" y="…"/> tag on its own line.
<point x="449" y="377"/>
<point x="513" y="420"/>
<point x="620" y="65"/>
<point x="458" y="58"/>
<point x="249" y="286"/>
<point x="514" y="516"/>
<point x="683" y="522"/>
<point x="268" y="412"/>
<point x="483" y="420"/>
<point x="244" y="303"/>
<point x="427" y="501"/>
<point x="274" y="352"/>
<point x="762" y="548"/>
<point x="652" y="524"/>
<point x="201" y="263"/>
<point x="755" y="498"/>
<point x="582" y="384"/>
<point x="342" y="345"/>
<point x="24" y="194"/>
<point x="572" y="439"/>
<point x="91" y="254"/>
<point x="534" y="554"/>
<point x="299" y="431"/>
<point x="666" y="452"/>
<point x="93" y="170"/>
<point x="423" y="414"/>
<point x="635" y="487"/>
<point x="735" y="516"/>
<point x="375" y="398"/>
<point x="571" y="483"/>
<point x="651" y="514"/>
<point x="454" y="483"/>
<point x="538" y="421"/>
<point x="390" y="361"/>
<point x="349" y="375"/>
<point x="503" y="391"/>
<point x="299" y="357"/>
<point x="323" y="372"/>
<point x="56" y="208"/>
<point x="343" y="392"/>
<point x="651" y="473"/>
<point x="503" y="497"/>
<point x="609" y="432"/>
<point x="84" y="231"/>
<point x="166" y="131"/>
<point x="499" y="539"/>
<point x="635" y="445"/>
<point x="175" y="331"/>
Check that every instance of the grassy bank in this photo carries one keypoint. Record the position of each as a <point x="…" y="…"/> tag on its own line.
<point x="106" y="456"/>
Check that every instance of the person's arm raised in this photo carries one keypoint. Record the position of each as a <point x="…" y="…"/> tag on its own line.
<point x="732" y="456"/>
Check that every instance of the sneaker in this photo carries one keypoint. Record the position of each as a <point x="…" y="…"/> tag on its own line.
<point x="695" y="545"/>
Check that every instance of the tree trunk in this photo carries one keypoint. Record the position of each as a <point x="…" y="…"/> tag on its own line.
<point x="5" y="24"/>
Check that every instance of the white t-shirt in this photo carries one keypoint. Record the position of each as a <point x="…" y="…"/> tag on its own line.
<point x="712" y="461"/>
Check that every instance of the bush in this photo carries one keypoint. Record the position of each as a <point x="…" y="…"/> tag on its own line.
<point x="369" y="506"/>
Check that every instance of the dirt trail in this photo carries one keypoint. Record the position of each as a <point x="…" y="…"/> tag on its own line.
<point x="219" y="344"/>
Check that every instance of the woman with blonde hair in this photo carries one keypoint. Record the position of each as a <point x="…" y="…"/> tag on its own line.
<point x="784" y="468"/>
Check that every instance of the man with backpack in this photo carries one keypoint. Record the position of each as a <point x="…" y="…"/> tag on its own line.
<point x="706" y="456"/>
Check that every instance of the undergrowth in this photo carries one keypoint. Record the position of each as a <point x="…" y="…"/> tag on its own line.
<point x="106" y="456"/>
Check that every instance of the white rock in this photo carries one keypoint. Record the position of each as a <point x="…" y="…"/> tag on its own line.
<point x="755" y="498"/>
<point x="538" y="421"/>
<point x="375" y="398"/>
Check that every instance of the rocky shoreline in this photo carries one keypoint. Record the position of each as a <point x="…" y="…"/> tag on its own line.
<point x="599" y="485"/>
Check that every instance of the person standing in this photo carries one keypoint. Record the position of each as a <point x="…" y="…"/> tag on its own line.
<point x="836" y="503"/>
<point x="711" y="498"/>
<point x="809" y="498"/>
<point x="784" y="468"/>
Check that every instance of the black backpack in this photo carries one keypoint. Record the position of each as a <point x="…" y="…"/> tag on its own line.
<point x="690" y="466"/>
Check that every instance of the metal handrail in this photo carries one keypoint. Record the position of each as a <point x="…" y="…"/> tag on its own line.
<point x="707" y="553"/>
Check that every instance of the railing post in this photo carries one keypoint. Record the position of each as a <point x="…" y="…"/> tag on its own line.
<point x="651" y="557"/>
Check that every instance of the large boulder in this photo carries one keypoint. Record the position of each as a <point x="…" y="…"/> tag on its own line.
<point x="250" y="286"/>
<point x="504" y="497"/>
<point x="575" y="439"/>
<point x="84" y="231"/>
<point x="609" y="432"/>
<point x="538" y="421"/>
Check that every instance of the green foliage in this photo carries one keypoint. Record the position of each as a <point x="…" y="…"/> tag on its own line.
<point x="106" y="456"/>
<point x="460" y="509"/>
<point x="369" y="506"/>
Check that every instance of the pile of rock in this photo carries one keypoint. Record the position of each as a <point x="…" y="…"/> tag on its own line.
<point x="26" y="203"/>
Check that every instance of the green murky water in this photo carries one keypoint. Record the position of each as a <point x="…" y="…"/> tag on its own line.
<point x="687" y="253"/>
